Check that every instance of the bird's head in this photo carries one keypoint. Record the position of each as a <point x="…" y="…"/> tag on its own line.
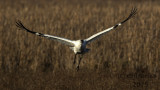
<point x="82" y="41"/>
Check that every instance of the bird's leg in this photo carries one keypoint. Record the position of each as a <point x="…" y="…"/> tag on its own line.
<point x="74" y="59"/>
<point x="80" y="58"/>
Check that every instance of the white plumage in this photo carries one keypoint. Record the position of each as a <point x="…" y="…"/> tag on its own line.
<point x="78" y="46"/>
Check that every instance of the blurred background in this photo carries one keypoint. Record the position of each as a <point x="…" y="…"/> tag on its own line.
<point x="125" y="58"/>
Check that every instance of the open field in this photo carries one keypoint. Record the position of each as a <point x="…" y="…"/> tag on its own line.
<point x="125" y="58"/>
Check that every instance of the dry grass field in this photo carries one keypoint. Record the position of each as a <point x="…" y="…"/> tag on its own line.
<point x="127" y="58"/>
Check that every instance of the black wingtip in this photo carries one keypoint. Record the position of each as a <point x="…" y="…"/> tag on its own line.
<point x="20" y="25"/>
<point x="131" y="15"/>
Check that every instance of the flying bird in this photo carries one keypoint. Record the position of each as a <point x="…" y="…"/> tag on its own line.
<point x="78" y="46"/>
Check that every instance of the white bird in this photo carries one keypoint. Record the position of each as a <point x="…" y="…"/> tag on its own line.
<point x="78" y="46"/>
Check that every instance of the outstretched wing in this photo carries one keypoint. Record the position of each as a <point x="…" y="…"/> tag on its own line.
<point x="61" y="40"/>
<point x="95" y="36"/>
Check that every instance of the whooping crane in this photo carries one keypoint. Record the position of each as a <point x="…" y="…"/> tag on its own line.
<point x="78" y="46"/>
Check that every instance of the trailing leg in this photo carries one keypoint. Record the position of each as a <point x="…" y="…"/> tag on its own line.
<point x="80" y="58"/>
<point x="74" y="59"/>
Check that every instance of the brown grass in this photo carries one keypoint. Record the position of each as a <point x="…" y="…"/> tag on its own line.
<point x="125" y="58"/>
